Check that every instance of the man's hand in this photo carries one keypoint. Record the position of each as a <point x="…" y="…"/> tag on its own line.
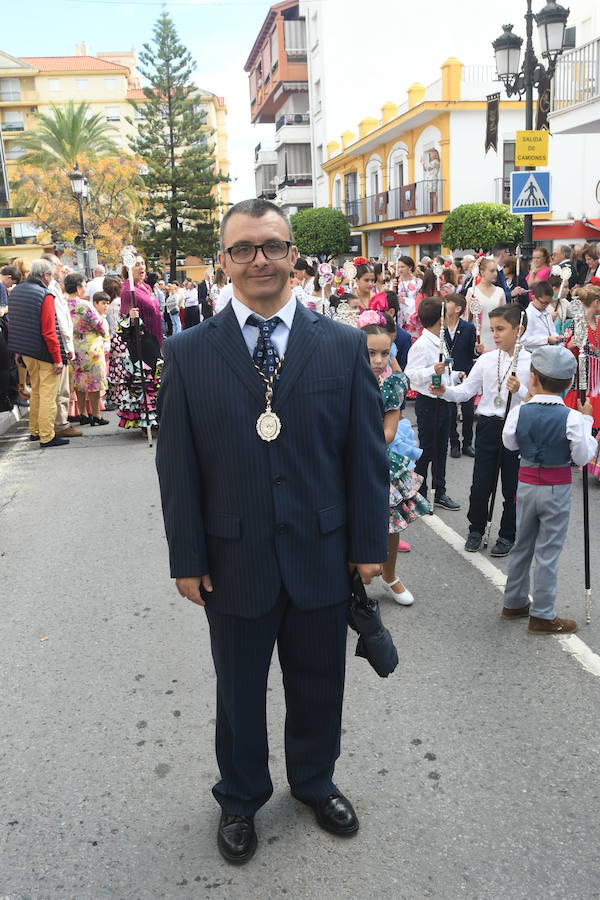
<point x="479" y="348"/>
<point x="58" y="367"/>
<point x="439" y="368"/>
<point x="554" y="339"/>
<point x="70" y="355"/>
<point x="190" y="588"/>
<point x="437" y="391"/>
<point x="586" y="409"/>
<point x="513" y="384"/>
<point x="367" y="571"/>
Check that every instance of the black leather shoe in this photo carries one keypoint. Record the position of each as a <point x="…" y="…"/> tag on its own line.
<point x="446" y="502"/>
<point x="473" y="542"/>
<point x="502" y="547"/>
<point x="336" y="815"/>
<point x="468" y="451"/>
<point x="236" y="838"/>
<point x="455" y="452"/>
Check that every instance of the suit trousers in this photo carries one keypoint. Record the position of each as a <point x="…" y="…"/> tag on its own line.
<point x="433" y="416"/>
<point x="468" y="417"/>
<point x="312" y="654"/>
<point x="488" y="442"/>
<point x="42" y="403"/>
<point x="542" y="521"/>
<point x="62" y="399"/>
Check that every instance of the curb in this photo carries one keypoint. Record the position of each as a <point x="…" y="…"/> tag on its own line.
<point x="9" y="419"/>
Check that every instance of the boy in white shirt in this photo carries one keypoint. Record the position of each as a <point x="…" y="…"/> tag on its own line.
<point x="491" y="378"/>
<point x="548" y="435"/>
<point x="433" y="417"/>
<point x="540" y="325"/>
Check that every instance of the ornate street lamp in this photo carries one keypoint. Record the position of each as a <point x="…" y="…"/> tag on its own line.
<point x="80" y="189"/>
<point x="551" y="22"/>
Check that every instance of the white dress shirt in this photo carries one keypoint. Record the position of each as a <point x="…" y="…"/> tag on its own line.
<point x="483" y="379"/>
<point x="63" y="316"/>
<point x="281" y="333"/>
<point x="540" y="326"/>
<point x="422" y="357"/>
<point x="579" y="430"/>
<point x="94" y="286"/>
<point x="225" y="295"/>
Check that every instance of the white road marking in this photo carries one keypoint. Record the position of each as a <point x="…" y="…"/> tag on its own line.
<point x="572" y="644"/>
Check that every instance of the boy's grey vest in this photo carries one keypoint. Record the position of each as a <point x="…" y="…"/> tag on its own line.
<point x="24" y="327"/>
<point x="542" y="435"/>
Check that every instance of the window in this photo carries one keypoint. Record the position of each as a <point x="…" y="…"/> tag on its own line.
<point x="13" y="151"/>
<point x="10" y="89"/>
<point x="294" y="31"/>
<point x="138" y="115"/>
<point x="13" y="121"/>
<point x="274" y="48"/>
<point x="81" y="84"/>
<point x="113" y="114"/>
<point x="320" y="155"/>
<point x="110" y="84"/>
<point x="53" y="84"/>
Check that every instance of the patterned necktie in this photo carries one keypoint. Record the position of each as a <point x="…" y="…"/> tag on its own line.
<point x="265" y="355"/>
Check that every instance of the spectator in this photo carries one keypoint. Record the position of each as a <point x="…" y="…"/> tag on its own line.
<point x="172" y="302"/>
<point x="591" y="258"/>
<point x="192" y="304"/>
<point x="90" y="331"/>
<point x="65" y="324"/>
<point x="95" y="285"/>
<point x="9" y="379"/>
<point x="501" y="252"/>
<point x="539" y="269"/>
<point x="517" y="284"/>
<point x="35" y="335"/>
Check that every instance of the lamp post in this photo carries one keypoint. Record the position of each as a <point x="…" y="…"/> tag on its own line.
<point x="80" y="189"/>
<point x="551" y="22"/>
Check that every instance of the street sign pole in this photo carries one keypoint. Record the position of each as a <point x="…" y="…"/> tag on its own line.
<point x="528" y="65"/>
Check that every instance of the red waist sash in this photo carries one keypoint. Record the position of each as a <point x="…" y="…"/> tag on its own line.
<point x="537" y="475"/>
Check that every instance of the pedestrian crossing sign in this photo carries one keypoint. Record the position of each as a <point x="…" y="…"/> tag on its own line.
<point x="529" y="192"/>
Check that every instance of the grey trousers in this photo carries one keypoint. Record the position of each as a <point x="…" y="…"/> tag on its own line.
<point x="62" y="400"/>
<point x="542" y="520"/>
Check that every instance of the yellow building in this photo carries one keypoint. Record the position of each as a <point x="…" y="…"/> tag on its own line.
<point x="106" y="82"/>
<point x="397" y="179"/>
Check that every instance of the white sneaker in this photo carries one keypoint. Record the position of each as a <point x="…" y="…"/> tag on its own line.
<point x="404" y="599"/>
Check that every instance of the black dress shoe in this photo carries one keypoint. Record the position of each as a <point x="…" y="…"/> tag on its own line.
<point x="468" y="451"/>
<point x="473" y="542"/>
<point x="336" y="815"/>
<point x="446" y="502"/>
<point x="236" y="838"/>
<point x="455" y="452"/>
<point x="502" y="547"/>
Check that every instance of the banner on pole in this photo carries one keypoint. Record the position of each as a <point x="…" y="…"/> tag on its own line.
<point x="491" y="122"/>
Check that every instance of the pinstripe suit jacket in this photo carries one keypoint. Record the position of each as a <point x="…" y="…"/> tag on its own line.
<point x="257" y="515"/>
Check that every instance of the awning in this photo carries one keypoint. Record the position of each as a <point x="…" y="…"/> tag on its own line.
<point x="593" y="223"/>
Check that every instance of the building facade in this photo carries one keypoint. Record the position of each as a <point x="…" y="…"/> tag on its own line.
<point x="107" y="83"/>
<point x="278" y="83"/>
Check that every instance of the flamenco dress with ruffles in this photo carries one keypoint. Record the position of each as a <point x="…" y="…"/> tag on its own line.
<point x="135" y="410"/>
<point x="593" y="392"/>
<point x="406" y="503"/>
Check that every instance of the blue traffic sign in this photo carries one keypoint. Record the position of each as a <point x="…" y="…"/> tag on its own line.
<point x="529" y="192"/>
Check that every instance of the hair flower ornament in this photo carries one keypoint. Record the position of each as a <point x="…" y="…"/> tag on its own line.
<point x="370" y="317"/>
<point x="360" y="261"/>
<point x="379" y="302"/>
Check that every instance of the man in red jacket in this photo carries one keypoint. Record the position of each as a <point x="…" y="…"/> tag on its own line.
<point x="34" y="335"/>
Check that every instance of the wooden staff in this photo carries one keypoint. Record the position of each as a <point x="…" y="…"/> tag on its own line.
<point x="128" y="255"/>
<point x="513" y="372"/>
<point x="581" y="336"/>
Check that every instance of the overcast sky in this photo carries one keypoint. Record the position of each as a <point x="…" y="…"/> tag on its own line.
<point x="220" y="36"/>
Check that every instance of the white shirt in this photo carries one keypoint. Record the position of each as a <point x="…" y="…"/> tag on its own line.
<point x="578" y="430"/>
<point x="281" y="333"/>
<point x="225" y="295"/>
<point x="422" y="357"/>
<point x="483" y="379"/>
<point x="93" y="286"/>
<point x="540" y="326"/>
<point x="191" y="296"/>
<point x="63" y="316"/>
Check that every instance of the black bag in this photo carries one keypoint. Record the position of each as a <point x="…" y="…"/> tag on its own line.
<point x="375" y="643"/>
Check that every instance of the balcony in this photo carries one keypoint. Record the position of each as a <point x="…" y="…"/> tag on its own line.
<point x="292" y="119"/>
<point x="13" y="126"/>
<point x="423" y="198"/>
<point x="7" y="213"/>
<point x="10" y="96"/>
<point x="502" y="191"/>
<point x="296" y="181"/>
<point x="576" y="91"/>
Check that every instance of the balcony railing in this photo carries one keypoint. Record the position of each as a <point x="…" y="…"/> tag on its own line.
<point x="502" y="190"/>
<point x="423" y="198"/>
<point x="292" y="119"/>
<point x="577" y="77"/>
<point x="9" y="96"/>
<point x="7" y="240"/>
<point x="13" y="126"/>
<point x="304" y="180"/>
<point x="7" y="213"/>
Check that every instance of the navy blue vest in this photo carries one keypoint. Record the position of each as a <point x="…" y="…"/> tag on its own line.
<point x="542" y="434"/>
<point x="24" y="327"/>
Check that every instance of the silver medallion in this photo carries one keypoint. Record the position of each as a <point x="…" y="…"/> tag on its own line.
<point x="498" y="401"/>
<point x="268" y="425"/>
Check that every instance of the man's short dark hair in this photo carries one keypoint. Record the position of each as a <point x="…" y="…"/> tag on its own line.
<point x="554" y="385"/>
<point x="12" y="271"/>
<point x="72" y="282"/>
<point x="499" y="246"/>
<point x="257" y="209"/>
<point x="429" y="311"/>
<point x="511" y="313"/>
<point x="458" y="300"/>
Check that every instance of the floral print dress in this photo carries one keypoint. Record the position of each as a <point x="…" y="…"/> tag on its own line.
<point x="406" y="503"/>
<point x="89" y="333"/>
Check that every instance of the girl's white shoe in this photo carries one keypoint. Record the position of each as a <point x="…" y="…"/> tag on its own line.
<point x="405" y="598"/>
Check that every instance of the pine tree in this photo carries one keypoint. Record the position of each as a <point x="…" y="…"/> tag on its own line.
<point x="174" y="144"/>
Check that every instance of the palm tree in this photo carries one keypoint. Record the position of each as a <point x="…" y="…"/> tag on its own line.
<point x="68" y="134"/>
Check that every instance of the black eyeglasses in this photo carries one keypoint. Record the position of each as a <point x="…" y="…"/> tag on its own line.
<point x="246" y="253"/>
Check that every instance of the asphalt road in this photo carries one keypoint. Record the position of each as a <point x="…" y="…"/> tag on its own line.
<point x="474" y="768"/>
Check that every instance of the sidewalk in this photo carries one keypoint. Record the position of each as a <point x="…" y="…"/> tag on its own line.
<point x="9" y="419"/>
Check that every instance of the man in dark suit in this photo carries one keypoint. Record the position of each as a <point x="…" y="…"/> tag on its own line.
<point x="274" y="481"/>
<point x="501" y="252"/>
<point x="204" y="298"/>
<point x="460" y="339"/>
